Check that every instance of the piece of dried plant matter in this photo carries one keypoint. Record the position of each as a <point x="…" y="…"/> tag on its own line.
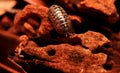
<point x="103" y="9"/>
<point x="86" y="39"/>
<point x="30" y="11"/>
<point x="71" y="58"/>
<point x="68" y="58"/>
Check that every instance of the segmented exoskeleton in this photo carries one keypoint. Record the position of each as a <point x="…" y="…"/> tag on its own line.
<point x="60" y="20"/>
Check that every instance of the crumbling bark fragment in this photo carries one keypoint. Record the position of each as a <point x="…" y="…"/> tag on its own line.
<point x="101" y="8"/>
<point x="93" y="40"/>
<point x="30" y="11"/>
<point x="68" y="58"/>
<point x="86" y="39"/>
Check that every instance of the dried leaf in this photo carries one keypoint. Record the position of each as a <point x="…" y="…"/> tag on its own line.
<point x="6" y="5"/>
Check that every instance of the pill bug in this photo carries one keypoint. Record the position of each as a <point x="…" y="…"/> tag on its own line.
<point x="60" y="20"/>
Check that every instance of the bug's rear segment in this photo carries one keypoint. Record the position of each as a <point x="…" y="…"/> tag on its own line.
<point x="60" y="20"/>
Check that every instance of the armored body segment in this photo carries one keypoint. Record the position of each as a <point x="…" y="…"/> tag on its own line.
<point x="60" y="20"/>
